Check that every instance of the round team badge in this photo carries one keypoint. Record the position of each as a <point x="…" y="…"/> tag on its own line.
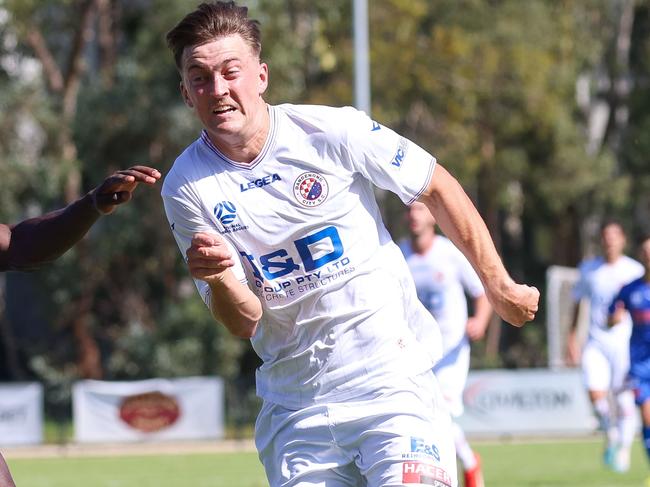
<point x="310" y="189"/>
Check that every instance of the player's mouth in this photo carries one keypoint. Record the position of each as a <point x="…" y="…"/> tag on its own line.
<point x="223" y="109"/>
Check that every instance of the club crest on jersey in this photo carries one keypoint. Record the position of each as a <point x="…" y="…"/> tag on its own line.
<point x="310" y="189"/>
<point x="225" y="212"/>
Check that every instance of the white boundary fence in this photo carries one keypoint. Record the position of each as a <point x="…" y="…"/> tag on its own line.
<point x="149" y="410"/>
<point x="526" y="402"/>
<point x="21" y="413"/>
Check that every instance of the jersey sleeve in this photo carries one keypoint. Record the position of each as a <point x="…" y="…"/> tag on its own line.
<point x="581" y="287"/>
<point x="385" y="158"/>
<point x="186" y="219"/>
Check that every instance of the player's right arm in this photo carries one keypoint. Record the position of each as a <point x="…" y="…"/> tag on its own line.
<point x="580" y="291"/>
<point x="212" y="260"/>
<point x="231" y="302"/>
<point x="572" y="347"/>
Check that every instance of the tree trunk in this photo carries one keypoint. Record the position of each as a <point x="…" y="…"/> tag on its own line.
<point x="488" y="206"/>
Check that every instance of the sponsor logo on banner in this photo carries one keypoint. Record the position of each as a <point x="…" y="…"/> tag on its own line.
<point x="310" y="189"/>
<point x="150" y="412"/>
<point x="482" y="398"/>
<point x="425" y="474"/>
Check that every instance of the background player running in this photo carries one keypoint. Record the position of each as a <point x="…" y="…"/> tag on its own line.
<point x="443" y="277"/>
<point x="635" y="299"/>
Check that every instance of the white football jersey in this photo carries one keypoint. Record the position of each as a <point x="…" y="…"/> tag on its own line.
<point x="442" y="275"/>
<point x="600" y="282"/>
<point x="336" y="292"/>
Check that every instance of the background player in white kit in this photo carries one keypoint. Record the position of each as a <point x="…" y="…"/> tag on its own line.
<point x="273" y="206"/>
<point x="442" y="278"/>
<point x="605" y="356"/>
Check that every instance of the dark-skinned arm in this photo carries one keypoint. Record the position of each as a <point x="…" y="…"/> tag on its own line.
<point x="37" y="241"/>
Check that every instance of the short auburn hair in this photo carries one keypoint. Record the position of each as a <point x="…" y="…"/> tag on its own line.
<point x="210" y="21"/>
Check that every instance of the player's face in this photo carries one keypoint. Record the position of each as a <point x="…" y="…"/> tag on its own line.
<point x="613" y="241"/>
<point x="223" y="81"/>
<point x="420" y="219"/>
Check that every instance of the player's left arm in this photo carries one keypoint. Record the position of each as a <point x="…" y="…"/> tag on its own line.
<point x="478" y="322"/>
<point x="461" y="222"/>
<point x="39" y="240"/>
<point x="616" y="310"/>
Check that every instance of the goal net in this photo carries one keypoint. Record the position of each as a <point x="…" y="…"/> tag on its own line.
<point x="559" y="313"/>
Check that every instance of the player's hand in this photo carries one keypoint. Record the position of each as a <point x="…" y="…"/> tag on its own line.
<point x="617" y="316"/>
<point x="119" y="186"/>
<point x="208" y="257"/>
<point x="475" y="329"/>
<point x="515" y="303"/>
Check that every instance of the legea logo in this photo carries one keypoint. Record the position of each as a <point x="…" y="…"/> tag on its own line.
<point x="225" y="212"/>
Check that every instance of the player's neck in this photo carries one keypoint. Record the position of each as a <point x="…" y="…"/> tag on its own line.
<point x="613" y="258"/>
<point x="246" y="146"/>
<point x="423" y="242"/>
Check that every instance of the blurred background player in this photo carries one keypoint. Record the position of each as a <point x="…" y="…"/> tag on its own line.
<point x="605" y="356"/>
<point x="635" y="299"/>
<point x="36" y="241"/>
<point x="442" y="276"/>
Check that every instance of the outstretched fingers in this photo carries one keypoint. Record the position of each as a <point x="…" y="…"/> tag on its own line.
<point x="119" y="186"/>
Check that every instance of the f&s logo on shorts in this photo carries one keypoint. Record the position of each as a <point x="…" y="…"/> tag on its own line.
<point x="425" y="474"/>
<point x="420" y="449"/>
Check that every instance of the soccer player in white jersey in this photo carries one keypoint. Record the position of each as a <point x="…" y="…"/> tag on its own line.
<point x="273" y="208"/>
<point x="442" y="278"/>
<point x="605" y="356"/>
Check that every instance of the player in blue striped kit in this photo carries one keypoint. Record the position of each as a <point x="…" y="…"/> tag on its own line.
<point x="635" y="299"/>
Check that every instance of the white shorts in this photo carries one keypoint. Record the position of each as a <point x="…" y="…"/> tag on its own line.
<point x="451" y="372"/>
<point x="605" y="365"/>
<point x="398" y="436"/>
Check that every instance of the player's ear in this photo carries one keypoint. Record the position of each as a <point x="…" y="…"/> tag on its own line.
<point x="185" y="95"/>
<point x="264" y="78"/>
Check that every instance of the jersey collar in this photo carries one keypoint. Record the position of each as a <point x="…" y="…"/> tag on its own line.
<point x="268" y="145"/>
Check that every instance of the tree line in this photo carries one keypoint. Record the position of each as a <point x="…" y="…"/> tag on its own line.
<point x="540" y="108"/>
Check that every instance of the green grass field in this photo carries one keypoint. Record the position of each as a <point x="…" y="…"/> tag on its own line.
<point x="547" y="464"/>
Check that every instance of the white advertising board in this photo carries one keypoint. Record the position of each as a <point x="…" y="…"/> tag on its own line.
<point x="526" y="402"/>
<point x="21" y="413"/>
<point x="149" y="410"/>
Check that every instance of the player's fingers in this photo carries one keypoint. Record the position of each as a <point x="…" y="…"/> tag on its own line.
<point x="206" y="272"/>
<point x="206" y="239"/>
<point x="211" y="253"/>
<point x="141" y="174"/>
<point x="117" y="182"/>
